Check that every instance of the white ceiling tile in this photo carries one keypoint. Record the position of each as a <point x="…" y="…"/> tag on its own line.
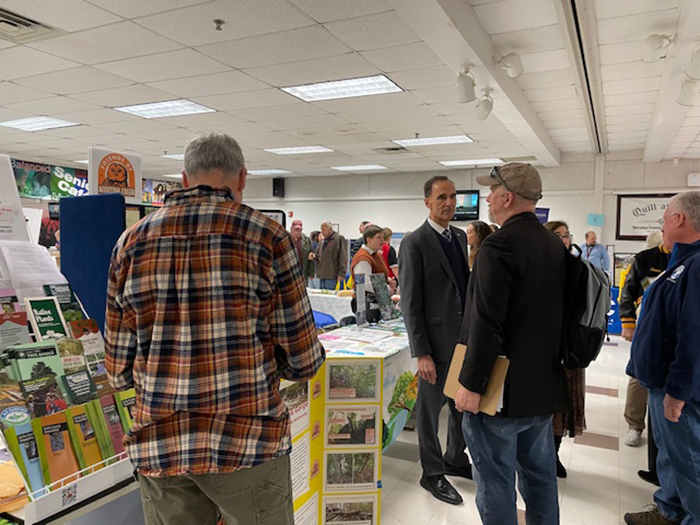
<point x="399" y="58"/>
<point x="557" y="105"/>
<point x="243" y="129"/>
<point x="372" y="32"/>
<point x="200" y="120"/>
<point x="630" y="98"/>
<point x="104" y="44"/>
<point x="106" y="139"/>
<point x="581" y="131"/>
<point x="415" y="125"/>
<point x="169" y="134"/>
<point x="8" y="114"/>
<point x="632" y="109"/>
<point x="388" y="100"/>
<point x="11" y="93"/>
<point x="621" y="87"/>
<point x="68" y="15"/>
<point x="631" y="70"/>
<point x="545" y="61"/>
<point x="331" y="10"/>
<point x="134" y="126"/>
<point x="637" y="26"/>
<point x="214" y="84"/>
<point x="99" y="116"/>
<point x="547" y="38"/>
<point x="546" y="116"/>
<point x="688" y="130"/>
<point x="19" y="61"/>
<point x="622" y="128"/>
<point x="622" y="53"/>
<point x="554" y="93"/>
<point x="277" y="48"/>
<point x="389" y="114"/>
<point x="516" y="15"/>
<point x="193" y="26"/>
<point x="317" y="70"/>
<point x="136" y="8"/>
<point x="607" y="9"/>
<point x="164" y="66"/>
<point x="300" y="109"/>
<point x="53" y="106"/>
<point x="124" y="96"/>
<point x="429" y="77"/>
<point x="544" y="79"/>
<point x="75" y="132"/>
<point x="437" y="95"/>
<point x="628" y="119"/>
<point x="559" y="124"/>
<point x="77" y="80"/>
<point x="247" y="99"/>
<point x="305" y="122"/>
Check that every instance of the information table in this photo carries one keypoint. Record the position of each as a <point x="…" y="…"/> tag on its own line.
<point x="327" y="302"/>
<point x="344" y="418"/>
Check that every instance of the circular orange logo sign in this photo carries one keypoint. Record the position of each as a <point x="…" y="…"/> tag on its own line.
<point x="115" y="174"/>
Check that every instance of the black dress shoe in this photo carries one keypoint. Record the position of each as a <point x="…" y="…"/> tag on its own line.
<point x="561" y="470"/>
<point x="439" y="487"/>
<point x="649" y="477"/>
<point x="460" y="472"/>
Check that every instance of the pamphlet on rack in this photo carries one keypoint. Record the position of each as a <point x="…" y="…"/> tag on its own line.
<point x="26" y="267"/>
<point x="356" y="334"/>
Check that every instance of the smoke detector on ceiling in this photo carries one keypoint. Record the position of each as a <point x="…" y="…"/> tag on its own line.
<point x="22" y="30"/>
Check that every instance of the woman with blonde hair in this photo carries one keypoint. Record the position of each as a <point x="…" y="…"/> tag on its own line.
<point x="477" y="231"/>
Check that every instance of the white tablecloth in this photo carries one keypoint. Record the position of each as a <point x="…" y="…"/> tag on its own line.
<point x="338" y="307"/>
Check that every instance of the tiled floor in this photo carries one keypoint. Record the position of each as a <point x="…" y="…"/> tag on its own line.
<point x="602" y="483"/>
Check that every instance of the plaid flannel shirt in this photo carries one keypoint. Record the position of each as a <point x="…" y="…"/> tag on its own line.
<point x="206" y="311"/>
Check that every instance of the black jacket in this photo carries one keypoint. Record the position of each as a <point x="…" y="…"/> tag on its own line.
<point x="515" y="304"/>
<point x="647" y="264"/>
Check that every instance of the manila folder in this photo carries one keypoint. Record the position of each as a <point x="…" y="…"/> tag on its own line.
<point x="491" y="399"/>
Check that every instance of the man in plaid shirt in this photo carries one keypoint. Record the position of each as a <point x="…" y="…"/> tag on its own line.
<point x="206" y="311"/>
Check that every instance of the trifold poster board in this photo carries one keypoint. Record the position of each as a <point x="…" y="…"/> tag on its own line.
<point x="12" y="224"/>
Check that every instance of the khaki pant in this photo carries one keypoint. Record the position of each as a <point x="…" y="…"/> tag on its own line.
<point x="636" y="405"/>
<point x="261" y="495"/>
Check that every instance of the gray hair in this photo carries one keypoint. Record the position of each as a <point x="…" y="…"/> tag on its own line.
<point x="212" y="151"/>
<point x="689" y="204"/>
<point x="328" y="224"/>
<point x="655" y="239"/>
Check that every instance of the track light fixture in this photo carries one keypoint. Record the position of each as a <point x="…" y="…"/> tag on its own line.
<point x="465" y="87"/>
<point x="511" y="64"/>
<point x="689" y="90"/>
<point x="484" y="107"/>
<point x="657" y="47"/>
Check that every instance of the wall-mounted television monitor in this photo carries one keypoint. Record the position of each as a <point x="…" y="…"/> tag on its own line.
<point x="467" y="206"/>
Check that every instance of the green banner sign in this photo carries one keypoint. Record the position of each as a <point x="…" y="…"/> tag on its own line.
<point x="43" y="181"/>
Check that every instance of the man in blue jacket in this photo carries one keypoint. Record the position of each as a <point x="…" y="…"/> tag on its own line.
<point x="666" y="360"/>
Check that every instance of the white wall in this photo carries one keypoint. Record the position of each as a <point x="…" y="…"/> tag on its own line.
<point x="571" y="191"/>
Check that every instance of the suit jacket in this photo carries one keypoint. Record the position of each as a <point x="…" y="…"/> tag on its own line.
<point x="515" y="304"/>
<point x="430" y="298"/>
<point x="332" y="258"/>
<point x="308" y="268"/>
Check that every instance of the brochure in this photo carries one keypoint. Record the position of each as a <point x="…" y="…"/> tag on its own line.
<point x="70" y="306"/>
<point x="22" y="444"/>
<point x="55" y="453"/>
<point x="126" y="405"/>
<point x="43" y="396"/>
<point x="83" y="437"/>
<point x="13" y="330"/>
<point x="46" y="318"/>
<point x="79" y="387"/>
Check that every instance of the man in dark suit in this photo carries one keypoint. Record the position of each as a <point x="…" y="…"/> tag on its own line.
<point x="434" y="276"/>
<point x="515" y="304"/>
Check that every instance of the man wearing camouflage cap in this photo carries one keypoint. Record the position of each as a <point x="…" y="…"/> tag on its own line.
<point x="515" y="303"/>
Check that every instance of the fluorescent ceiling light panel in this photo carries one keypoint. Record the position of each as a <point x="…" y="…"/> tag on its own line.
<point x="84" y="161"/>
<point x="472" y="162"/>
<point x="173" y="175"/>
<point x="295" y="151"/>
<point x="352" y="87"/>
<point x="169" y="108"/>
<point x="174" y="156"/>
<point x="37" y="123"/>
<point x="268" y="172"/>
<point x="367" y="167"/>
<point x="433" y="141"/>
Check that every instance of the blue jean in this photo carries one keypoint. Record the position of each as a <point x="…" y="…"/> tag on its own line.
<point x="500" y="446"/>
<point x="678" y="462"/>
<point x="328" y="284"/>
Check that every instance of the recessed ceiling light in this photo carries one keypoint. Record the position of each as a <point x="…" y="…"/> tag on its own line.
<point x="84" y="161"/>
<point x="37" y="123"/>
<point x="174" y="156"/>
<point x="352" y="87"/>
<point x="173" y="176"/>
<point x="472" y="162"/>
<point x="433" y="141"/>
<point x="268" y="172"/>
<point x="366" y="167"/>
<point x="169" y="108"/>
<point x="294" y="151"/>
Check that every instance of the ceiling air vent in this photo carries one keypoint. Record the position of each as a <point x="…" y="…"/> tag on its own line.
<point x="396" y="150"/>
<point x="22" y="30"/>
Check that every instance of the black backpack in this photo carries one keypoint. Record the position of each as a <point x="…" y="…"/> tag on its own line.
<point x="587" y="301"/>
